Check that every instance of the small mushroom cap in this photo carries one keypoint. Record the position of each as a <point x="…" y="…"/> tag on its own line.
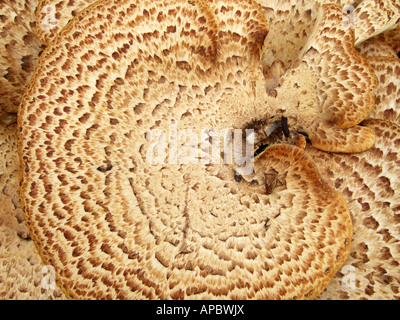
<point x="347" y="81"/>
<point x="113" y="224"/>
<point x="289" y="22"/>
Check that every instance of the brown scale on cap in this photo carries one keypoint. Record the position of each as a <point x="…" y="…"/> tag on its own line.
<point x="116" y="226"/>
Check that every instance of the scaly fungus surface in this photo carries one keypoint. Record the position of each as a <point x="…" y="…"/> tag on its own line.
<point x="102" y="89"/>
<point x="115" y="225"/>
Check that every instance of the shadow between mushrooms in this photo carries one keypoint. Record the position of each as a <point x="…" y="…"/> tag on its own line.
<point x="115" y="225"/>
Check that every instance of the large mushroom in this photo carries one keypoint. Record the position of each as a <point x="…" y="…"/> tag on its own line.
<point x="296" y="24"/>
<point x="115" y="225"/>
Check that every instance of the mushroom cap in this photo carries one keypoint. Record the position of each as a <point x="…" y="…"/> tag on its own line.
<point x="392" y="38"/>
<point x="375" y="17"/>
<point x="115" y="225"/>
<point x="330" y="87"/>
<point x="20" y="264"/>
<point x="290" y="24"/>
<point x="329" y="137"/>
<point x="19" y="51"/>
<point x="342" y="67"/>
<point x="377" y="47"/>
<point x="388" y="91"/>
<point x="369" y="182"/>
